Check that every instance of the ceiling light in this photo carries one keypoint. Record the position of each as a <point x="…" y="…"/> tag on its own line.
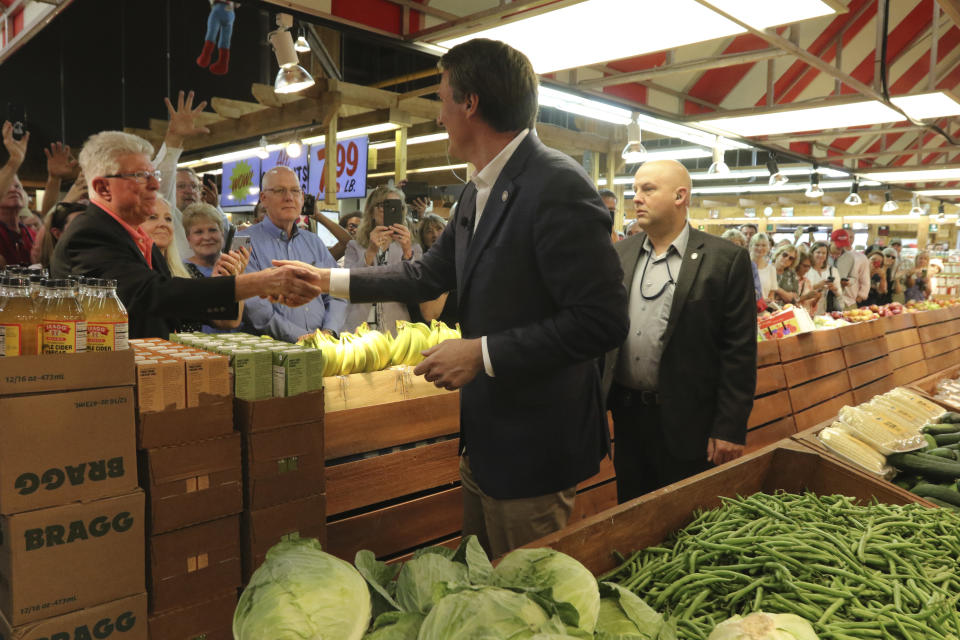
<point x="355" y="133"/>
<point x="633" y="152"/>
<point x="294" y="149"/>
<point x="537" y="36"/>
<point x="261" y="151"/>
<point x="572" y="103"/>
<point x="676" y="153"/>
<point x="814" y="190"/>
<point x="430" y="137"/>
<point x="718" y="166"/>
<point x="938" y="104"/>
<point x="915" y="175"/>
<point x="291" y="77"/>
<point x="776" y="177"/>
<point x="446" y="167"/>
<point x="915" y="208"/>
<point x="932" y="193"/>
<point x="854" y="198"/>
<point x="301" y="45"/>
<point x="766" y="188"/>
<point x="889" y="203"/>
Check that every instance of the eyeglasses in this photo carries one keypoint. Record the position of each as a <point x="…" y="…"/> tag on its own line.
<point x="139" y="176"/>
<point x="352" y="225"/>
<point x="283" y="191"/>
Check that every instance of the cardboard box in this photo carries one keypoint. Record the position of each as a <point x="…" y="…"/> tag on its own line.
<point x="188" y="565"/>
<point x="178" y="426"/>
<point x="282" y="465"/>
<point x="160" y="385"/>
<point x="279" y="412"/>
<point x="127" y="617"/>
<point x="192" y="483"/>
<point x="207" y="379"/>
<point x="36" y="374"/>
<point x="62" y="559"/>
<point x="263" y="528"/>
<point x="210" y="620"/>
<point x="63" y="447"/>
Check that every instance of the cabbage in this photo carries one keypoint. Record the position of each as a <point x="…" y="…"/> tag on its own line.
<point x="624" y="614"/>
<point x="556" y="576"/>
<point x="482" y="613"/>
<point x="395" y="625"/>
<point x="302" y="593"/>
<point x="764" y="626"/>
<point x="418" y="577"/>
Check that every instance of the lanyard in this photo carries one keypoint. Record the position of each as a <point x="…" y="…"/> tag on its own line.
<point x="643" y="276"/>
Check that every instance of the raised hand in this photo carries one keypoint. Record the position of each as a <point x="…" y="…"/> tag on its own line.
<point x="182" y="120"/>
<point x="60" y="161"/>
<point x="16" y="148"/>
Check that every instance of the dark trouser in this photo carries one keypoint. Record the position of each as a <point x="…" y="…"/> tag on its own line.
<point x="502" y="525"/>
<point x="641" y="458"/>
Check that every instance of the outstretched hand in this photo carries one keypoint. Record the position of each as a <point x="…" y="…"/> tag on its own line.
<point x="60" y="161"/>
<point x="182" y="120"/>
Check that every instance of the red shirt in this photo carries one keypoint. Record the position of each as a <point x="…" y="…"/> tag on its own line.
<point x="140" y="238"/>
<point x="15" y="246"/>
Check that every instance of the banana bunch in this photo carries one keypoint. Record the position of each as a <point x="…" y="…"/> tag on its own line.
<point x="439" y="332"/>
<point x="412" y="338"/>
<point x="360" y="352"/>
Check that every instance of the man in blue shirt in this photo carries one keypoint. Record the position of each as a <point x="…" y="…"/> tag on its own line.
<point x="278" y="238"/>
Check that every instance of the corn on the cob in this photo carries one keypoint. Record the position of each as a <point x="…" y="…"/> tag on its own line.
<point x="931" y="408"/>
<point x="907" y="425"/>
<point x="883" y="435"/>
<point x="839" y="441"/>
<point x="920" y="416"/>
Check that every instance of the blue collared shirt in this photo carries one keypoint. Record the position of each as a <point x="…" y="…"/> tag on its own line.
<point x="267" y="243"/>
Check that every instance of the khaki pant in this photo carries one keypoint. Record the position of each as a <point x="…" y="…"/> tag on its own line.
<point x="502" y="525"/>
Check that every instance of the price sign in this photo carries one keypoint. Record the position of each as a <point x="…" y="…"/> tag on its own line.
<point x="351" y="168"/>
<point x="240" y="182"/>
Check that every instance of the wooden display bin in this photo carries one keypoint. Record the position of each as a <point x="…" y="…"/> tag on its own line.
<point x="648" y="520"/>
<point x="379" y="387"/>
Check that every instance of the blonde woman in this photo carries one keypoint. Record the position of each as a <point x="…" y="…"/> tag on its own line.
<point x="377" y="245"/>
<point x="159" y="226"/>
<point x="760" y="255"/>
<point x="785" y="261"/>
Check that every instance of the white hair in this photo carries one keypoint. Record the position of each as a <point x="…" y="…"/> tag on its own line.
<point x="101" y="152"/>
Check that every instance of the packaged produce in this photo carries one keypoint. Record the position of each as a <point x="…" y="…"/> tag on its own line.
<point x="839" y="440"/>
<point x="19" y="318"/>
<point x="787" y="322"/>
<point x="881" y="433"/>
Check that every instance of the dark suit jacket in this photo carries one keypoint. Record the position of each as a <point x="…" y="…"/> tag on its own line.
<point x="540" y="279"/>
<point x="96" y="246"/>
<point x="708" y="371"/>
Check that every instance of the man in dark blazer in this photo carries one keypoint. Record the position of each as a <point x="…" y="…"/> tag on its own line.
<point x="681" y="387"/>
<point x="106" y="242"/>
<point x="539" y="295"/>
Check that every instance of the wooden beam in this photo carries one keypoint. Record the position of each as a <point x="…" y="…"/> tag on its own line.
<point x="705" y="64"/>
<point x="400" y="156"/>
<point x="418" y="75"/>
<point x="489" y="17"/>
<point x="427" y="10"/>
<point x="952" y="9"/>
<point x="906" y="151"/>
<point x="265" y="95"/>
<point x="573" y="142"/>
<point x="330" y="164"/>
<point x="423" y="91"/>
<point x="832" y="134"/>
<point x="296" y="114"/>
<point x="227" y="108"/>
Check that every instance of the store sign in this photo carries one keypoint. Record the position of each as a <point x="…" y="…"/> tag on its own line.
<point x="934" y="228"/>
<point x="240" y="182"/>
<point x="351" y="168"/>
<point x="883" y="230"/>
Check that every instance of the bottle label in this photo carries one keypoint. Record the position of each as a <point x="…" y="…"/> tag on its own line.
<point x="107" y="336"/>
<point x="64" y="336"/>
<point x="11" y="340"/>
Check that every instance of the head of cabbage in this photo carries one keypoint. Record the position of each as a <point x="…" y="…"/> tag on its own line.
<point x="764" y="626"/>
<point x="302" y="593"/>
<point x="557" y="577"/>
<point x="480" y="613"/>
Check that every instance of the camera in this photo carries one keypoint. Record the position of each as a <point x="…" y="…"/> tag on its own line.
<point x="18" y="118"/>
<point x="309" y="205"/>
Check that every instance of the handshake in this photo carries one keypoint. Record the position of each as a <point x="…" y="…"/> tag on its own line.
<point x="289" y="282"/>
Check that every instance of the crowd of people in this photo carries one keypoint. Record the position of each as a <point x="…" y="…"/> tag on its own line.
<point x="825" y="276"/>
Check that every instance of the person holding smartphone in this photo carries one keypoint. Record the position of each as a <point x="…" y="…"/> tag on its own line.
<point x="384" y="238"/>
<point x="854" y="269"/>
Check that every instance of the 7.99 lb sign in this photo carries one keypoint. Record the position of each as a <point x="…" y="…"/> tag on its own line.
<point x="351" y="168"/>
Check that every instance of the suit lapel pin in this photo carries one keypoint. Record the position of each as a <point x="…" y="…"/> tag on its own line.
<point x="694" y="256"/>
<point x="504" y="196"/>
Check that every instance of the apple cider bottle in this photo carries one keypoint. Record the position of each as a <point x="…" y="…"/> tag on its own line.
<point x="64" y="323"/>
<point x="18" y="317"/>
<point x="107" y="320"/>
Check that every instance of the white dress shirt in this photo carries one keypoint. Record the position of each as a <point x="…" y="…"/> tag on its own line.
<point x="484" y="179"/>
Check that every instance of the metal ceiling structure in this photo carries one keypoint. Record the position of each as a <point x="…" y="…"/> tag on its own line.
<point x="802" y="64"/>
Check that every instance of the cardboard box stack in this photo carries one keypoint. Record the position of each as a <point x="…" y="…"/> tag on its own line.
<point x="190" y="467"/>
<point x="71" y="513"/>
<point x="278" y="391"/>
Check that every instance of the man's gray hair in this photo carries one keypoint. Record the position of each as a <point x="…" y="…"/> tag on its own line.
<point x="101" y="152"/>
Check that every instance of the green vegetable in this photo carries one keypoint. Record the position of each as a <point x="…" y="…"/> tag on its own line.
<point x="945" y="494"/>
<point x="418" y="576"/>
<point x="395" y="625"/>
<point x="624" y="615"/>
<point x="482" y="613"/>
<point x="943" y="452"/>
<point x="949" y="418"/>
<point x="942" y="504"/>
<point x="925" y="465"/>
<point x="302" y="593"/>
<point x="937" y="429"/>
<point x="931" y="441"/>
<point x="764" y="626"/>
<point x="556" y="576"/>
<point x="947" y="438"/>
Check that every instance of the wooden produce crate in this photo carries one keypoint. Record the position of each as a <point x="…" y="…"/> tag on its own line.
<point x="898" y="322"/>
<point x="788" y="466"/>
<point x="770" y="419"/>
<point x="928" y="386"/>
<point x="817" y="380"/>
<point x="868" y="367"/>
<point x="379" y="387"/>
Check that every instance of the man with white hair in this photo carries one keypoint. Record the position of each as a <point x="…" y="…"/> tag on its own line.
<point x="107" y="242"/>
<point x="277" y="237"/>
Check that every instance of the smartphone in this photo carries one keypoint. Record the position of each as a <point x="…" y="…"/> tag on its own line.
<point x="239" y="241"/>
<point x="323" y="233"/>
<point x="392" y="213"/>
<point x="210" y="180"/>
<point x="414" y="190"/>
<point x="830" y="279"/>
<point x="228" y="239"/>
<point x="18" y="118"/>
<point x="309" y="205"/>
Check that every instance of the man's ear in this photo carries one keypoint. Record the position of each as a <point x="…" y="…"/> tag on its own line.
<point x="101" y="187"/>
<point x="471" y="104"/>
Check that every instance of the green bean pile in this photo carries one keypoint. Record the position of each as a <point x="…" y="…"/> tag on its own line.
<point x="855" y="572"/>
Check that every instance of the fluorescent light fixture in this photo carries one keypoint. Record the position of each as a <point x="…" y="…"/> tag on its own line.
<point x="633" y="152"/>
<point x="915" y="208"/>
<point x="915" y="175"/>
<point x="353" y="133"/>
<point x="854" y="198"/>
<point x="767" y="188"/>
<point x="889" y="203"/>
<point x="241" y="154"/>
<point x="933" y="193"/>
<point x="291" y="77"/>
<point x="676" y="153"/>
<point x="760" y="173"/>
<point x="430" y="137"/>
<point x="718" y="167"/>
<point x="301" y="45"/>
<point x="446" y="167"/>
<point x="572" y="103"/>
<point x="814" y="190"/>
<point x="294" y="149"/>
<point x="837" y="116"/>
<point x="537" y="36"/>
<point x="776" y="176"/>
<point x="922" y="106"/>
